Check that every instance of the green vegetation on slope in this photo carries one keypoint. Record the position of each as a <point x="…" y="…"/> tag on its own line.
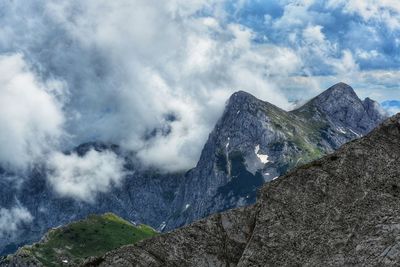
<point x="93" y="236"/>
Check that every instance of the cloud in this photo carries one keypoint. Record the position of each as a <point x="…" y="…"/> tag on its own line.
<point x="391" y="106"/>
<point x="82" y="177"/>
<point x="384" y="11"/>
<point x="12" y="219"/>
<point x="30" y="115"/>
<point x="154" y="76"/>
<point x="125" y="78"/>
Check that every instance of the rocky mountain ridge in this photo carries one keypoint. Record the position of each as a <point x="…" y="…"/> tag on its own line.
<point x="253" y="142"/>
<point x="341" y="210"/>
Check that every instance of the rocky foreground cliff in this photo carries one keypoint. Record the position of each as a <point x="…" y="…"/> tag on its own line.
<point x="341" y="210"/>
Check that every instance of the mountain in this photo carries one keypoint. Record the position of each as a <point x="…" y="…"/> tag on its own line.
<point x="144" y="196"/>
<point x="341" y="210"/>
<point x="340" y="107"/>
<point x="71" y="244"/>
<point x="253" y="142"/>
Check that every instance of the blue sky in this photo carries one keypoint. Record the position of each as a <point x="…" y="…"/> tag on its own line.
<point x="360" y="33"/>
<point x="116" y="70"/>
<point x="367" y="30"/>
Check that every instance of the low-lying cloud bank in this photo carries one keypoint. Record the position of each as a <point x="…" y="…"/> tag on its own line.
<point x="31" y="117"/>
<point x="83" y="177"/>
<point x="12" y="219"/>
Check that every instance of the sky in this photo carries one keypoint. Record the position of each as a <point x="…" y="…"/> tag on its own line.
<point x="153" y="76"/>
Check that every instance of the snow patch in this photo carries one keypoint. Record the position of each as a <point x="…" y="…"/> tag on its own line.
<point x="162" y="226"/>
<point x="355" y="133"/>
<point x="227" y="144"/>
<point x="340" y="129"/>
<point x="275" y="178"/>
<point x="237" y="113"/>
<point x="186" y="207"/>
<point x="263" y="158"/>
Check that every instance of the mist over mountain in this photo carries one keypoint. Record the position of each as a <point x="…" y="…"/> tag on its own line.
<point x="252" y="143"/>
<point x="115" y="71"/>
<point x="166" y="112"/>
<point x="337" y="211"/>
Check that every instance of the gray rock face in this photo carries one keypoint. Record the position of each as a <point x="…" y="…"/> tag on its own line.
<point x="227" y="233"/>
<point x="341" y="210"/>
<point x="341" y="107"/>
<point x="253" y="142"/>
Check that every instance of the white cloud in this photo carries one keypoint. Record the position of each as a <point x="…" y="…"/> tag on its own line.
<point x="345" y="65"/>
<point x="12" y="219"/>
<point x="385" y="11"/>
<point x="128" y="64"/>
<point x="393" y="110"/>
<point x="295" y="13"/>
<point x="313" y="34"/>
<point x="161" y="63"/>
<point x="31" y="118"/>
<point x="83" y="177"/>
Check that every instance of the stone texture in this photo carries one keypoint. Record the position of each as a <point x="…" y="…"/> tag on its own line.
<point x="227" y="235"/>
<point x="341" y="210"/>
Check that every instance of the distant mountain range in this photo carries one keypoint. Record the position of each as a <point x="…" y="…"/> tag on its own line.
<point x="252" y="143"/>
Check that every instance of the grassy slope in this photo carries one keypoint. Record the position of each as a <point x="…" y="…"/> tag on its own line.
<point x="298" y="129"/>
<point x="90" y="237"/>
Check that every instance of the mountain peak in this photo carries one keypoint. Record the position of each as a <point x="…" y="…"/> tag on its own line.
<point x="338" y="96"/>
<point x="241" y="97"/>
<point x="242" y="100"/>
<point x="340" y="86"/>
<point x="339" y="90"/>
<point x="341" y="106"/>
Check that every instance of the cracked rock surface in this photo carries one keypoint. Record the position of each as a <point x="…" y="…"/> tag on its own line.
<point x="341" y="210"/>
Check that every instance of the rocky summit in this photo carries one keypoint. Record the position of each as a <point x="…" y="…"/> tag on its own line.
<point x="252" y="143"/>
<point x="340" y="106"/>
<point x="341" y="210"/>
<point x="255" y="141"/>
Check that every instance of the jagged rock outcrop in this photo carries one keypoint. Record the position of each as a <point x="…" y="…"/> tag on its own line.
<point x="253" y="142"/>
<point x="343" y="110"/>
<point x="341" y="210"/>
